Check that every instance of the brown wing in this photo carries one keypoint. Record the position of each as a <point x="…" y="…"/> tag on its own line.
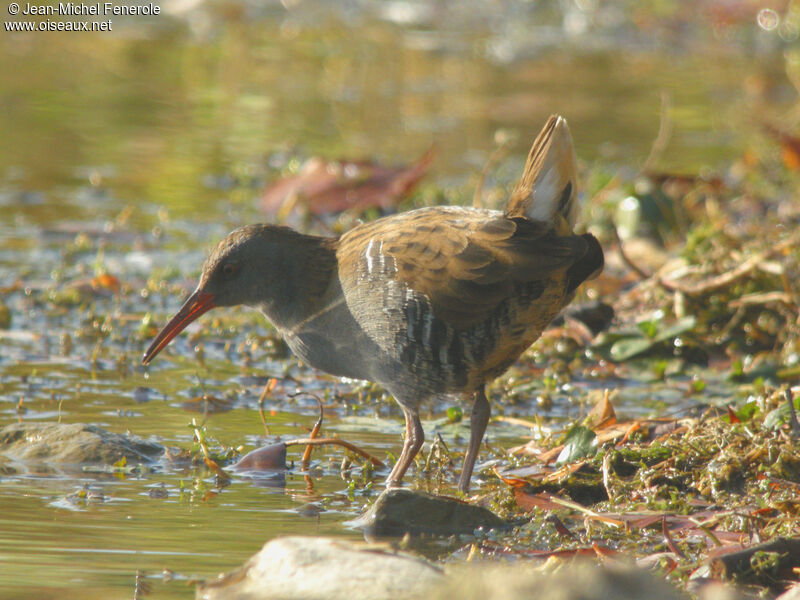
<point x="464" y="261"/>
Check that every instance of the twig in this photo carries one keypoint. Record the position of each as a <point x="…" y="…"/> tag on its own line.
<point x="713" y="283"/>
<point x="268" y="387"/>
<point x="732" y="323"/>
<point x="587" y="511"/>
<point x="312" y="435"/>
<point x="496" y="155"/>
<point x="761" y="298"/>
<point x="516" y="421"/>
<point x="792" y="413"/>
<point x="668" y="538"/>
<point x="707" y="530"/>
<point x="607" y="476"/>
<point x="641" y="273"/>
<point x="663" y="136"/>
<point x="204" y="397"/>
<point x="336" y="442"/>
<point x="725" y="279"/>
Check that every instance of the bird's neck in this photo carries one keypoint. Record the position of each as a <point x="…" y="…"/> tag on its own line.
<point x="309" y="265"/>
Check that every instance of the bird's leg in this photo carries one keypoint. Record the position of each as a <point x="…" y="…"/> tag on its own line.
<point x="478" y="422"/>
<point x="415" y="436"/>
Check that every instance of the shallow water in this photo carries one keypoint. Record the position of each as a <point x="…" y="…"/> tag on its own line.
<point x="134" y="151"/>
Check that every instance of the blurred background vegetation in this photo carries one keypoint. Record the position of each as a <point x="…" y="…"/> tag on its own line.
<point x="194" y="108"/>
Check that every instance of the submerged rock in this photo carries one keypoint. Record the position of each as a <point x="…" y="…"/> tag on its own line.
<point x="400" y="511"/>
<point x="320" y="568"/>
<point x="74" y="443"/>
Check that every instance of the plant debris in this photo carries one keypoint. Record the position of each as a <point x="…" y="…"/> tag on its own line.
<point x="715" y="495"/>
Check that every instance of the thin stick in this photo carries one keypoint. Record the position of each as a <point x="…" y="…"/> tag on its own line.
<point x="496" y="155"/>
<point x="313" y="435"/>
<point x="268" y="387"/>
<point x="761" y="298"/>
<point x="729" y="277"/>
<point x="336" y="442"/>
<point x="787" y="394"/>
<point x="587" y="511"/>
<point x="516" y="421"/>
<point x="641" y="273"/>
<point x="668" y="538"/>
<point x="663" y="135"/>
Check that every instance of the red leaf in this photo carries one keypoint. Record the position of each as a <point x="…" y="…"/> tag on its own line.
<point x="530" y="501"/>
<point x="323" y="187"/>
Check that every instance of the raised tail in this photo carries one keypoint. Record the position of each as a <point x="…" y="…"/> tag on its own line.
<point x="548" y="189"/>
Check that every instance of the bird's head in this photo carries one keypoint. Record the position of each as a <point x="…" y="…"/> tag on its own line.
<point x="253" y="265"/>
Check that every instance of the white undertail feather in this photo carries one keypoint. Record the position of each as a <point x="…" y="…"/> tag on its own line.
<point x="548" y="188"/>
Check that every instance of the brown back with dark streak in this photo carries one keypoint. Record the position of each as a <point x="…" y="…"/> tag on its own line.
<point x="456" y="294"/>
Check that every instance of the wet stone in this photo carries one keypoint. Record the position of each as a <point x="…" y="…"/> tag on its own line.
<point x="74" y="443"/>
<point x="324" y="569"/>
<point x="400" y="511"/>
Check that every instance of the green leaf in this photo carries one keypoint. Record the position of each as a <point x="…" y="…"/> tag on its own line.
<point x="746" y="412"/>
<point x="607" y="338"/>
<point x="630" y="347"/>
<point x="649" y="328"/>
<point x="698" y="385"/>
<point x="454" y="414"/>
<point x="580" y="442"/>
<point x="679" y="327"/>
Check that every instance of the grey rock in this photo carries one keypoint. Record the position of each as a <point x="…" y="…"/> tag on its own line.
<point x="400" y="511"/>
<point x="74" y="444"/>
<point x="309" y="568"/>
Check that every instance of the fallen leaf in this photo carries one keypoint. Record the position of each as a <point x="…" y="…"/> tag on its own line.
<point x="327" y="187"/>
<point x="579" y="443"/>
<point x="602" y="413"/>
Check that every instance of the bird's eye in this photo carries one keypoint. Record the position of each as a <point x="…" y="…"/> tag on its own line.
<point x="228" y="269"/>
